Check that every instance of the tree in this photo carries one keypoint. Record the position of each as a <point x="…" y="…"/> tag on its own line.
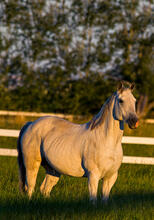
<point x="63" y="55"/>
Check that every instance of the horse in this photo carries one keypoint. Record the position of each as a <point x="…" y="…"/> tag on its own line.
<point x="91" y="150"/>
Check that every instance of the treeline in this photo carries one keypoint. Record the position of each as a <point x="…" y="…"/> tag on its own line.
<point x="67" y="56"/>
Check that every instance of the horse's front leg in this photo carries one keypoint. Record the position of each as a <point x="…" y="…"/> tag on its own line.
<point x="107" y="184"/>
<point x="93" y="180"/>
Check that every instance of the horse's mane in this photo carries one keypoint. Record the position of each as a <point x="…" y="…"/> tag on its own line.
<point x="100" y="117"/>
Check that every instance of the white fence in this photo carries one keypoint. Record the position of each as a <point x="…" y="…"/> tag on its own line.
<point x="40" y="114"/>
<point x="126" y="140"/>
<point x="35" y="114"/>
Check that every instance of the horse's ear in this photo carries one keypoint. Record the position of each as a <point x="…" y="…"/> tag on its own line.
<point x="132" y="86"/>
<point x="120" y="87"/>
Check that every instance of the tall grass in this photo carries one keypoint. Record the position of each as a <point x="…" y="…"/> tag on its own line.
<point x="132" y="197"/>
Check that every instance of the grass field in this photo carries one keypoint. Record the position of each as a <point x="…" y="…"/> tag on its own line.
<point x="132" y="197"/>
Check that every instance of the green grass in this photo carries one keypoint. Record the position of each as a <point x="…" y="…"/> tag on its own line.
<point x="138" y="150"/>
<point x="8" y="142"/>
<point x="144" y="130"/>
<point x="132" y="196"/>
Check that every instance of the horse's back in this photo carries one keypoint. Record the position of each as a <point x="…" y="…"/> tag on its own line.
<point x="43" y="125"/>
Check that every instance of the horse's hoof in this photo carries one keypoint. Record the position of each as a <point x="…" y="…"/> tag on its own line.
<point x="93" y="202"/>
<point x="104" y="201"/>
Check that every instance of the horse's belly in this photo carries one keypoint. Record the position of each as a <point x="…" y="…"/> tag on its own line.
<point x="65" y="162"/>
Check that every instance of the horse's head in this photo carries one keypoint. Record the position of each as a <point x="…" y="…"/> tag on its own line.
<point x="124" y="108"/>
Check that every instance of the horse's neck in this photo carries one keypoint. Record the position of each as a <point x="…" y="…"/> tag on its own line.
<point x="104" y="123"/>
<point x="111" y="127"/>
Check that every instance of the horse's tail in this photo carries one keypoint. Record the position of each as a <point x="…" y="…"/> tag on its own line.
<point x="22" y="169"/>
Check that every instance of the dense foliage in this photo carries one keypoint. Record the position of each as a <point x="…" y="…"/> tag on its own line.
<point x="67" y="56"/>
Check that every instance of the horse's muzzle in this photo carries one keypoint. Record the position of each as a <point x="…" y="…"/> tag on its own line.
<point x="133" y="122"/>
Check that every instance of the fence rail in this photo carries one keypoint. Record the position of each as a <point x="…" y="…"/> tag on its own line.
<point x="35" y="114"/>
<point x="40" y="114"/>
<point x="125" y="139"/>
<point x="126" y="159"/>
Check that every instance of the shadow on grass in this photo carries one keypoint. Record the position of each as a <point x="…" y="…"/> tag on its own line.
<point x="39" y="206"/>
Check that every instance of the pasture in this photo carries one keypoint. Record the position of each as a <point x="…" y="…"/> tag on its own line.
<point x="132" y="197"/>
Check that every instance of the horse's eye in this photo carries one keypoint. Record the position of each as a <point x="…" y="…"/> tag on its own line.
<point x="121" y="101"/>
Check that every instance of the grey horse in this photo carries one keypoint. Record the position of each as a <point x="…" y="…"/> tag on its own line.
<point x="91" y="150"/>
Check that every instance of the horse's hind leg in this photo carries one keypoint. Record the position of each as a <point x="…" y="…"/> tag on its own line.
<point x="31" y="175"/>
<point x="48" y="183"/>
